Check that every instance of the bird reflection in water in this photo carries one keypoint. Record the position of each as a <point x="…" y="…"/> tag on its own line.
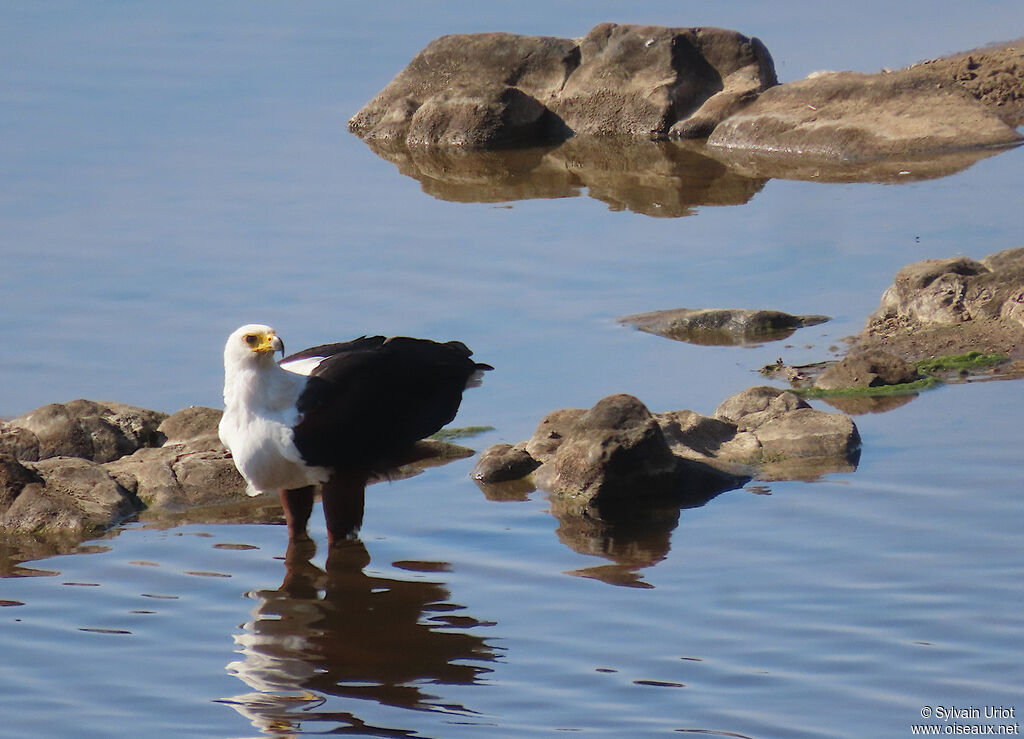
<point x="340" y="633"/>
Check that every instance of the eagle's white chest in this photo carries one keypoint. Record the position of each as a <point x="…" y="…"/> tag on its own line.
<point x="257" y="427"/>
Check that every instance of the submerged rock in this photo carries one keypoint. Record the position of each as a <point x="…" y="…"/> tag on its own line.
<point x="720" y="326"/>
<point x="493" y="90"/>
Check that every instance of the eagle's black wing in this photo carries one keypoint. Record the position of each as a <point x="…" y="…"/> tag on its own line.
<point x="370" y="399"/>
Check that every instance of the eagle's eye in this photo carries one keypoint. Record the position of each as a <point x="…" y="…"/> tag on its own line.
<point x="252" y="339"/>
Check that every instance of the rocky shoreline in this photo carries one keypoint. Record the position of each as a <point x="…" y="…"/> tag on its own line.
<point x="71" y="471"/>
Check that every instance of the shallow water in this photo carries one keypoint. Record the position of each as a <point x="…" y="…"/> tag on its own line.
<point x="174" y="171"/>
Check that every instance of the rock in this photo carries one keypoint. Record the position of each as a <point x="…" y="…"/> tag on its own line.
<point x="994" y="75"/>
<point x="494" y="90"/>
<point x="951" y="306"/>
<point x="19" y="443"/>
<point x="70" y="497"/>
<point x="619" y="454"/>
<point x="651" y="81"/>
<point x="14" y="476"/>
<point x="511" y="76"/>
<point x="847" y="116"/>
<point x="809" y="433"/>
<point x="100" y="432"/>
<point x="191" y="469"/>
<point x="869" y="368"/>
<point x="957" y="289"/>
<point x="757" y="404"/>
<point x="720" y="326"/>
<point x="688" y="431"/>
<point x="478" y="117"/>
<point x="551" y="432"/>
<point x="502" y="463"/>
<point x="780" y="437"/>
<point x="612" y="452"/>
<point x="117" y="473"/>
<point x="191" y="425"/>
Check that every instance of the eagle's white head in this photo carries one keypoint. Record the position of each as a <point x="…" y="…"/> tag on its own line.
<point x="252" y="379"/>
<point x="252" y="345"/>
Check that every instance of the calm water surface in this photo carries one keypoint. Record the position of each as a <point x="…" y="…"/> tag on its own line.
<point x="172" y="171"/>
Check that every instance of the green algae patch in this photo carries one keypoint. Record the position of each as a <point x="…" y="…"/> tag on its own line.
<point x="960" y="362"/>
<point x="465" y="432"/>
<point x="870" y="391"/>
<point x="931" y="369"/>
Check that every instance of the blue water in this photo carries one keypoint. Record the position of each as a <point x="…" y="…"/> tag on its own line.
<point x="174" y="170"/>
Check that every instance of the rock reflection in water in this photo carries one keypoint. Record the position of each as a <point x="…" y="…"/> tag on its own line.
<point x="342" y="633"/>
<point x="632" y="536"/>
<point x="632" y="540"/>
<point x="887" y="170"/>
<point x="655" y="178"/>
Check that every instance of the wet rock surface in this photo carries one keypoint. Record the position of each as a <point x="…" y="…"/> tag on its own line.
<point x="618" y="454"/>
<point x="720" y="326"/>
<point x="494" y="90"/>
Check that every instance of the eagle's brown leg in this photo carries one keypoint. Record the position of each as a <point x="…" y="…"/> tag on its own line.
<point x="297" y="504"/>
<point x="343" y="497"/>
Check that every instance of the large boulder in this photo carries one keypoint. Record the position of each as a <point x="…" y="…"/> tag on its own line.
<point x="494" y="90"/>
<point x="483" y="90"/>
<point x="847" y="116"/>
<point x="612" y="452"/>
<point x="652" y="81"/>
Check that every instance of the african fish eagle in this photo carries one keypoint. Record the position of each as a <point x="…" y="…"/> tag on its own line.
<point x="334" y="415"/>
